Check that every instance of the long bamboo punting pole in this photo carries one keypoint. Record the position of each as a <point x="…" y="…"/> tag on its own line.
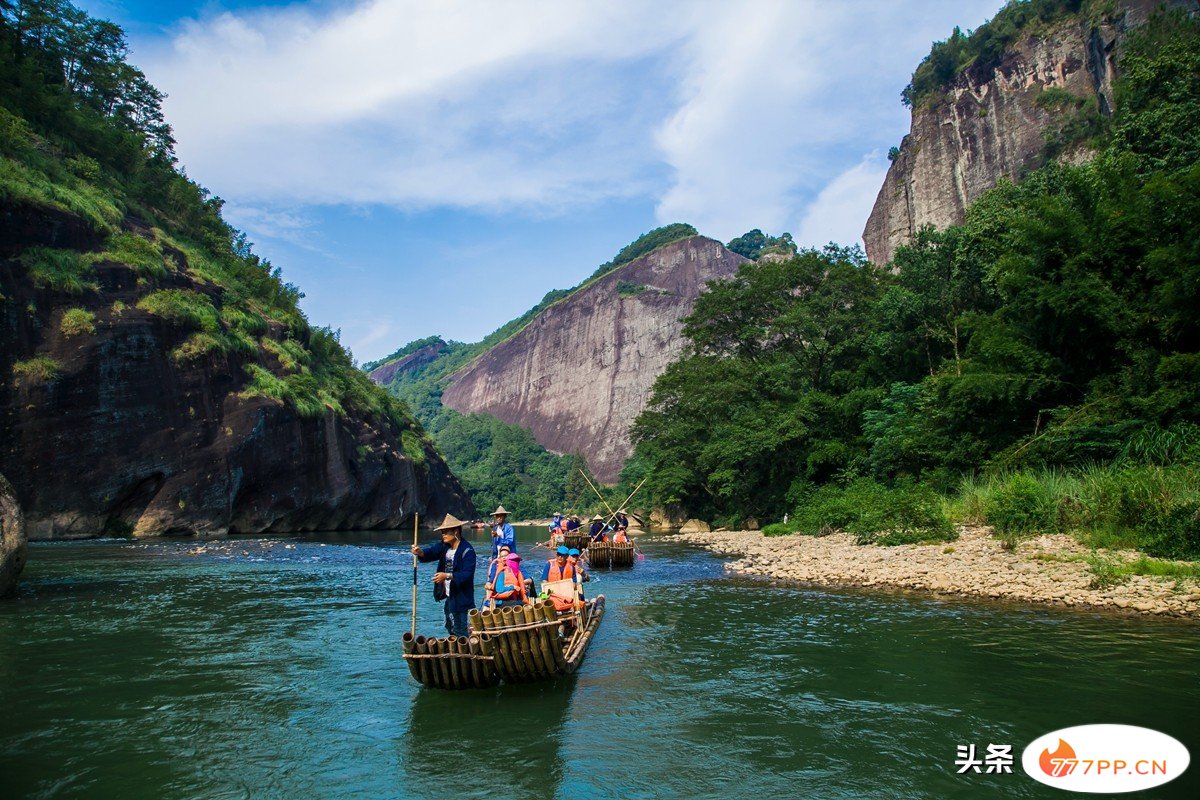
<point x="414" y="591"/>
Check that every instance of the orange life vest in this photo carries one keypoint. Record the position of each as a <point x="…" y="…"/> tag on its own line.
<point x="514" y="582"/>
<point x="620" y="537"/>
<point x="563" y="573"/>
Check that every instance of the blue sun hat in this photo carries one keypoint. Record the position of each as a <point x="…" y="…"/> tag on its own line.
<point x="572" y="552"/>
<point x="562" y="550"/>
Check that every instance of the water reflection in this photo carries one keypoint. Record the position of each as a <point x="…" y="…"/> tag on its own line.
<point x="496" y="743"/>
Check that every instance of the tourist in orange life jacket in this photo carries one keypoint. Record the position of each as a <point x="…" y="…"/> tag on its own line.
<point x="493" y="567"/>
<point x="510" y="583"/>
<point x="621" y="536"/>
<point x="561" y="569"/>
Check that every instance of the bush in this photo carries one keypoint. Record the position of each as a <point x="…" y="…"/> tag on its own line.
<point x="77" y="321"/>
<point x="875" y="514"/>
<point x="1021" y="505"/>
<point x="40" y="369"/>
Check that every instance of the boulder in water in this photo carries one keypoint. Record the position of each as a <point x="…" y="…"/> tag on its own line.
<point x="12" y="539"/>
<point x="695" y="526"/>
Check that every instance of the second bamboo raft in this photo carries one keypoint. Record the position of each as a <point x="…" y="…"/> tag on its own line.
<point x="514" y="644"/>
<point x="610" y="554"/>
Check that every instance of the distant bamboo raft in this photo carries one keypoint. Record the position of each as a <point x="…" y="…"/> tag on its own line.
<point x="610" y="554"/>
<point x="514" y="644"/>
<point x="577" y="540"/>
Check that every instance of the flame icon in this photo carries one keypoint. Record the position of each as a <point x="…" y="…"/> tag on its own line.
<point x="1060" y="762"/>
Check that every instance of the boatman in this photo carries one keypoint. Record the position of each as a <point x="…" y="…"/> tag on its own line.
<point x="502" y="532"/>
<point x="597" y="528"/>
<point x="454" y="580"/>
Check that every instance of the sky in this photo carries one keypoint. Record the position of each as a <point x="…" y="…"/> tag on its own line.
<point x="421" y="167"/>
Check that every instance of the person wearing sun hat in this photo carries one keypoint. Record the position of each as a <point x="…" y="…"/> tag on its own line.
<point x="596" y="529"/>
<point x="454" y="581"/>
<point x="502" y="532"/>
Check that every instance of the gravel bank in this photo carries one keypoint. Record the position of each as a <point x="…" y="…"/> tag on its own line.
<point x="974" y="565"/>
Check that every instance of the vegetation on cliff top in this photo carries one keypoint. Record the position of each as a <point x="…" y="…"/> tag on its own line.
<point x="1051" y="330"/>
<point x="82" y="133"/>
<point x="982" y="49"/>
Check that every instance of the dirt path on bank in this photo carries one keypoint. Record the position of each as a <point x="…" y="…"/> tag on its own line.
<point x="974" y="565"/>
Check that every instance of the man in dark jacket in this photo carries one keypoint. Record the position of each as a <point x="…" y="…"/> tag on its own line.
<point x="454" y="580"/>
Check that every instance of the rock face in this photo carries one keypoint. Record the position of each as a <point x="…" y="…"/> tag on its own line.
<point x="12" y="539"/>
<point x="418" y="358"/>
<point x="121" y="437"/>
<point x="985" y="127"/>
<point x="580" y="372"/>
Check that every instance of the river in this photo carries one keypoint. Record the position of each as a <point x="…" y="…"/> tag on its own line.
<point x="270" y="667"/>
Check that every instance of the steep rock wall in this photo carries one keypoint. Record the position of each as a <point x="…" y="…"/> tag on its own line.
<point x="985" y="127"/>
<point x="126" y="439"/>
<point x="579" y="373"/>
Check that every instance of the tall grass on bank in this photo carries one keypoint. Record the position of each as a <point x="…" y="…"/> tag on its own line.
<point x="1150" y="507"/>
<point x="876" y="514"/>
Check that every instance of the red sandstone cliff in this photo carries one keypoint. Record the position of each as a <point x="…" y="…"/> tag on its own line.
<point x="581" y="371"/>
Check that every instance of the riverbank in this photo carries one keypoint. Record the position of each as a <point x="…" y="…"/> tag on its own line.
<point x="1046" y="569"/>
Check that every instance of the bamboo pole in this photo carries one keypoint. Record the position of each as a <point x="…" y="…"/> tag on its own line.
<point x="546" y="641"/>
<point x="536" y="642"/>
<point x="512" y="642"/>
<point x="491" y="625"/>
<point x="442" y="644"/>
<point x="416" y="516"/>
<point x="421" y="648"/>
<point x="556" y="651"/>
<point x="408" y="641"/>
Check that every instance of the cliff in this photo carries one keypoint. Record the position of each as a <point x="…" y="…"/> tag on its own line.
<point x="113" y="420"/>
<point x="578" y="374"/>
<point x="1002" y="121"/>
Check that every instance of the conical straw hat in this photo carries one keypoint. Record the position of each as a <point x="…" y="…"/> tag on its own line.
<point x="449" y="522"/>
<point x="499" y="510"/>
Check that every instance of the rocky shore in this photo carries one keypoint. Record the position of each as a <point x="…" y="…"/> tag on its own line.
<point x="1046" y="569"/>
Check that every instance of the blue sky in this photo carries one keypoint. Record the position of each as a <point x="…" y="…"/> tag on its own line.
<point x="424" y="167"/>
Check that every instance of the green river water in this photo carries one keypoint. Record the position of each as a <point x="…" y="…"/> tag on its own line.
<point x="271" y="667"/>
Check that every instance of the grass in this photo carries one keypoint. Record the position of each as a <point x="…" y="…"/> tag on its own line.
<point x="199" y="345"/>
<point x="144" y="255"/>
<point x="182" y="307"/>
<point x="39" y="369"/>
<point x="1108" y="572"/>
<point x="77" y="322"/>
<point x="1148" y="506"/>
<point x="61" y="270"/>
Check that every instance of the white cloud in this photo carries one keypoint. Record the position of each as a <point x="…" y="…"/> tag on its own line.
<point x="727" y="115"/>
<point x="839" y="211"/>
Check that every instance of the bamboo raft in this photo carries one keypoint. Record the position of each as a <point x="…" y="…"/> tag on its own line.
<point x="577" y="540"/>
<point x="610" y="554"/>
<point x="514" y="644"/>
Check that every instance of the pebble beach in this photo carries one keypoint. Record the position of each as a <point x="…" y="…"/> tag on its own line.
<point x="1047" y="569"/>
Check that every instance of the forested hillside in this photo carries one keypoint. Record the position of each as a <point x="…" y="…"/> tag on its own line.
<point x="158" y="376"/>
<point x="1038" y="364"/>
